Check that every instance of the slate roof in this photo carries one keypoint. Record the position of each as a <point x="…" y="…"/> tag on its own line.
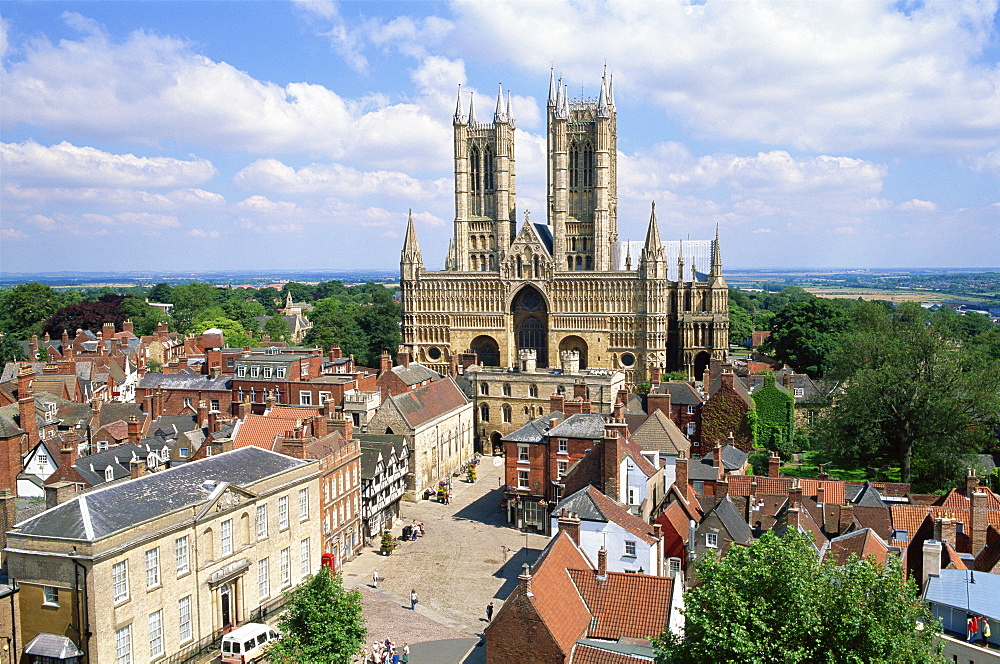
<point x="544" y="235"/>
<point x="180" y="381"/>
<point x="659" y="433"/>
<point x="430" y="401"/>
<point x="702" y="469"/>
<point x="373" y="446"/>
<point x="738" y="387"/>
<point x="967" y="591"/>
<point x="534" y="431"/>
<point x="738" y="529"/>
<point x="172" y="425"/>
<point x="592" y="505"/>
<point x="101" y="513"/>
<point x="111" y="411"/>
<point x="733" y="457"/>
<point x="415" y="373"/>
<point x="681" y="393"/>
<point x="51" y="645"/>
<point x="580" y="425"/>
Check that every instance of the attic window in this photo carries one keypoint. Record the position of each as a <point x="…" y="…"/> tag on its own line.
<point x="800" y="392"/>
<point x="273" y="350"/>
<point x="241" y="371"/>
<point x="900" y="535"/>
<point x="109" y="474"/>
<point x="712" y="540"/>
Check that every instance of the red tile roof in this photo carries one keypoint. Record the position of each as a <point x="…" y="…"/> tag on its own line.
<point x="621" y="516"/>
<point x="862" y="543"/>
<point x="292" y="413"/>
<point x="614" y="601"/>
<point x="262" y="431"/>
<point x="426" y="403"/>
<point x="554" y="596"/>
<point x="587" y="654"/>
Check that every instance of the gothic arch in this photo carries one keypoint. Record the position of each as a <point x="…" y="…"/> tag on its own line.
<point x="487" y="349"/>
<point x="701" y="362"/>
<point x="573" y="342"/>
<point x="531" y="322"/>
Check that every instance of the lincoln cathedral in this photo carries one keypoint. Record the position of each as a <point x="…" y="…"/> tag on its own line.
<point x="563" y="286"/>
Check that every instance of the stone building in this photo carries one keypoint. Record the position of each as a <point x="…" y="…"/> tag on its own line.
<point x="568" y="283"/>
<point x="159" y="565"/>
<point x="507" y="400"/>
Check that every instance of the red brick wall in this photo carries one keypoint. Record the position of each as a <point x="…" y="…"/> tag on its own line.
<point x="173" y="400"/>
<point x="518" y="635"/>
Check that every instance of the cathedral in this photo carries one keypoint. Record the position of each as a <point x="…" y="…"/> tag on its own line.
<point x="565" y="286"/>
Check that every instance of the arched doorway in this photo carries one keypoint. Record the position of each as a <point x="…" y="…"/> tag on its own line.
<point x="487" y="351"/>
<point x="701" y="362"/>
<point x="531" y="323"/>
<point x="497" y="446"/>
<point x="574" y="342"/>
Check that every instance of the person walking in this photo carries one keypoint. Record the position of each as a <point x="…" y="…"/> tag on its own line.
<point x="406" y="653"/>
<point x="489" y="612"/>
<point x="984" y="629"/>
<point x="973" y="627"/>
<point x="413" y="600"/>
<point x="375" y="579"/>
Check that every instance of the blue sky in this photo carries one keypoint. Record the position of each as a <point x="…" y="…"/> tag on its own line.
<point x="240" y="135"/>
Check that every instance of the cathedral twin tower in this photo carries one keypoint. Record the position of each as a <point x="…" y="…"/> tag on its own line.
<point x="567" y="284"/>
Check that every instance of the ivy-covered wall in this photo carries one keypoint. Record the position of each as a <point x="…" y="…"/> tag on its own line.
<point x="726" y="412"/>
<point x="774" y="421"/>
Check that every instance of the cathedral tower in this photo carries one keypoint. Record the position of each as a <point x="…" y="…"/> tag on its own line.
<point x="484" y="188"/>
<point x="582" y="178"/>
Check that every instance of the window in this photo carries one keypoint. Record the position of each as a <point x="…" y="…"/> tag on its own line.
<point x="261" y="521"/>
<point x="226" y="531"/>
<point x="43" y="458"/>
<point x="254" y="371"/>
<point x="268" y="371"/>
<point x="673" y="565"/>
<point x="241" y="371"/>
<point x="505" y="411"/>
<point x="51" y="596"/>
<point x="522" y="453"/>
<point x="484" y="389"/>
<point x="306" y="564"/>
<point x="305" y="398"/>
<point x="119" y="581"/>
<point x="522" y="479"/>
<point x="533" y="391"/>
<point x="156" y="633"/>
<point x="283" y="512"/>
<point x="263" y="579"/>
<point x="712" y="540"/>
<point x="183" y="452"/>
<point x="630" y="548"/>
<point x="324" y="397"/>
<point x="153" y="567"/>
<point x="691" y="428"/>
<point x="506" y="389"/>
<point x="303" y="504"/>
<point x="691" y="410"/>
<point x="800" y="392"/>
<point x="281" y="372"/>
<point x="484" y="412"/>
<point x="215" y="405"/>
<point x="123" y="645"/>
<point x="109" y="474"/>
<point x="563" y="466"/>
<point x="184" y="618"/>
<point x="286" y="567"/>
<point x="900" y="535"/>
<point x="563" y="446"/>
<point x="698" y="486"/>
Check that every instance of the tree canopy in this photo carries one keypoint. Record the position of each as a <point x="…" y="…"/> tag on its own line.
<point x="805" y="334"/>
<point x="776" y="602"/>
<point x="916" y="395"/>
<point x="24" y="307"/>
<point x="322" y="622"/>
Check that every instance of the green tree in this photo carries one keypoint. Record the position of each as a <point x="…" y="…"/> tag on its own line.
<point x="335" y="322"/>
<point x="915" y="396"/>
<point x="804" y="334"/>
<point x="11" y="350"/>
<point x="322" y="622"/>
<point x="24" y="307"/>
<point x="762" y="320"/>
<point x="740" y="326"/>
<point x="144" y="317"/>
<point x="380" y="324"/>
<point x="161" y="292"/>
<point x="239" y="309"/>
<point x="775" y="601"/>
<point x="277" y="328"/>
<point x="234" y="334"/>
<point x="189" y="300"/>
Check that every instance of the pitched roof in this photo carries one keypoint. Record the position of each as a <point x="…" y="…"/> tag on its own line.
<point x="681" y="393"/>
<point x="120" y="506"/>
<point x="738" y="529"/>
<point x="623" y="604"/>
<point x="554" y="595"/>
<point x="862" y="543"/>
<point x="184" y="381"/>
<point x="592" y="505"/>
<point x="580" y="425"/>
<point x="262" y="431"/>
<point x="966" y="591"/>
<point x="430" y="401"/>
<point x="659" y="433"/>
<point x="534" y="431"/>
<point x="290" y="413"/>
<point x="603" y="652"/>
<point x="415" y="373"/>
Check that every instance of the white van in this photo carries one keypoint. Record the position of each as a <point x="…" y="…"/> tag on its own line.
<point x="245" y="644"/>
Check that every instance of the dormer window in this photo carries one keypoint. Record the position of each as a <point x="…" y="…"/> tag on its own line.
<point x="268" y="371"/>
<point x="254" y="371"/>
<point x="800" y="392"/>
<point x="241" y="371"/>
<point x="281" y="372"/>
<point x="109" y="474"/>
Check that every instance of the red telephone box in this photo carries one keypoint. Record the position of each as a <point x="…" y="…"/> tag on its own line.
<point x="327" y="560"/>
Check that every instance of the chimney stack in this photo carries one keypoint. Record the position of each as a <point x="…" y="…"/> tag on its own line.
<point x="821" y="495"/>
<point x="931" y="561"/>
<point x="403" y="357"/>
<point x="557" y="402"/>
<point x="28" y="422"/>
<point x="319" y="426"/>
<point x="270" y="400"/>
<point x="571" y="524"/>
<point x="67" y="454"/>
<point x="602" y="563"/>
<point x="7" y="518"/>
<point x="846" y="518"/>
<point x="681" y="473"/>
<point x="127" y="326"/>
<point x="659" y="401"/>
<point x="213" y="421"/>
<point x="453" y="365"/>
<point x="655" y="375"/>
<point x="774" y="465"/>
<point x="344" y="426"/>
<point x="384" y="362"/>
<point x="58" y="493"/>
<point x="524" y="580"/>
<point x="795" y="492"/>
<point x="946" y="530"/>
<point x="243" y="409"/>
<point x="157" y="408"/>
<point x="136" y="468"/>
<point x="134" y="429"/>
<point x="293" y="446"/>
<point x="978" y="521"/>
<point x="202" y="413"/>
<point x="33" y="348"/>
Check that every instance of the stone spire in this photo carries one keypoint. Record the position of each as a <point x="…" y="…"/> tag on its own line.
<point x="472" y="110"/>
<point x="680" y="261"/>
<point x="562" y="105"/>
<point x="603" y="108"/>
<point x="716" y="255"/>
<point x="459" y="114"/>
<point x="498" y="114"/>
<point x="611" y="91"/>
<point x="565" y="103"/>
<point x="411" y="248"/>
<point x="552" y="88"/>
<point x="510" y="114"/>
<point x="628" y="256"/>
<point x="652" y="261"/>
<point x="450" y="261"/>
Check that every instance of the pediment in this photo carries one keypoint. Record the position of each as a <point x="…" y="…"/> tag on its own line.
<point x="224" y="497"/>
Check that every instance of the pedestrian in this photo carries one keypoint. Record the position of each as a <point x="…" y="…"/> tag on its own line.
<point x="376" y="650"/>
<point x="413" y="600"/>
<point x="375" y="579"/>
<point x="973" y="627"/>
<point x="984" y="629"/>
<point x="489" y="612"/>
<point x="406" y="653"/>
<point x="395" y="658"/>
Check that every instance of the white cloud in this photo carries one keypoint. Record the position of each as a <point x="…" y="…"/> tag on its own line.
<point x="72" y="165"/>
<point x="828" y="76"/>
<point x="916" y="205"/>
<point x="199" y="233"/>
<point x="16" y="197"/>
<point x="12" y="234"/>
<point x="272" y="176"/>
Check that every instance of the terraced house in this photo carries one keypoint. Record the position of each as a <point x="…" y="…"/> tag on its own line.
<point x="162" y="564"/>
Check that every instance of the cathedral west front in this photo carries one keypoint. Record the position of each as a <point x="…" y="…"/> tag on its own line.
<point x="565" y="283"/>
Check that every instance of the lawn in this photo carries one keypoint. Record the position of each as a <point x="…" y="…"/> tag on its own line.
<point x="810" y="468"/>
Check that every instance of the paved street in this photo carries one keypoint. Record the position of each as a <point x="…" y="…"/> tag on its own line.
<point x="468" y="558"/>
